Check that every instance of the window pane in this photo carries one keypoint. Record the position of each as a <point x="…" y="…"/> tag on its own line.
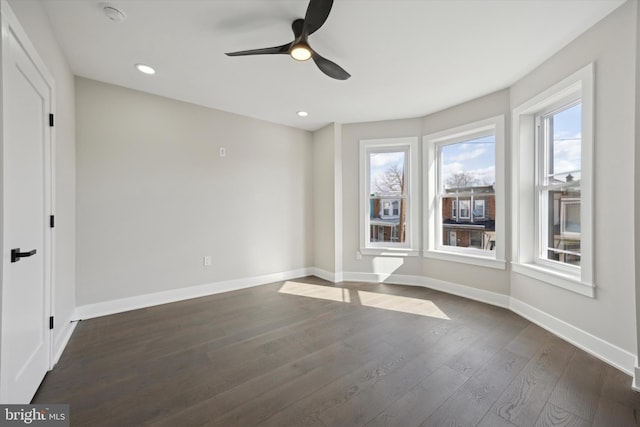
<point x="387" y="203"/>
<point x="387" y="173"/>
<point x="468" y="164"/>
<point x="476" y="239"/>
<point x="467" y="193"/>
<point x="387" y="220"/>
<point x="565" y="147"/>
<point x="564" y="230"/>
<point x="478" y="209"/>
<point x="464" y="208"/>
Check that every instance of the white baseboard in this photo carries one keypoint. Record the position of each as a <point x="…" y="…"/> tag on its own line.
<point x="603" y="350"/>
<point x="481" y="295"/>
<point x="61" y="342"/>
<point x="106" y="308"/>
<point x="327" y="275"/>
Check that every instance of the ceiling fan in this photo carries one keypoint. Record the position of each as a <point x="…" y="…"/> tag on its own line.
<point x="299" y="49"/>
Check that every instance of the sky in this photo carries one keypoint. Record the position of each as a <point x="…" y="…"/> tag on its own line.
<point x="381" y="162"/>
<point x="476" y="157"/>
<point x="567" y="145"/>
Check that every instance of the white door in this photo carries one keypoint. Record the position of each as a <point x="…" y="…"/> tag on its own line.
<point x="26" y="286"/>
<point x="453" y="238"/>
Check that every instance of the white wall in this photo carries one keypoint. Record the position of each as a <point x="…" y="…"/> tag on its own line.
<point x="323" y="198"/>
<point x="611" y="44"/>
<point x="154" y="196"/>
<point x="36" y="24"/>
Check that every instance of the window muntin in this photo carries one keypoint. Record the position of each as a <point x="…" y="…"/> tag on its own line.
<point x="466" y="184"/>
<point x="558" y="185"/>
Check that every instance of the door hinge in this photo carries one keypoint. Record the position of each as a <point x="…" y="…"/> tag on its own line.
<point x="51" y="120"/>
<point x="50" y="322"/>
<point x="52" y="221"/>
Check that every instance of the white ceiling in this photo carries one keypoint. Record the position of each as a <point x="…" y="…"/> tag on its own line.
<point x="407" y="58"/>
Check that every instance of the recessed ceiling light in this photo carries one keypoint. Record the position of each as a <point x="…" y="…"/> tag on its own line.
<point x="113" y="13"/>
<point x="303" y="113"/>
<point x="145" y="69"/>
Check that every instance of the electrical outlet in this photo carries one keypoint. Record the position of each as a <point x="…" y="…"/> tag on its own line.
<point x="223" y="151"/>
<point x="206" y="261"/>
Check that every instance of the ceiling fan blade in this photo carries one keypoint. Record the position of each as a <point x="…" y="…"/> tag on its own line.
<point x="297" y="26"/>
<point x="317" y="14"/>
<point x="264" y="51"/>
<point x="330" y="68"/>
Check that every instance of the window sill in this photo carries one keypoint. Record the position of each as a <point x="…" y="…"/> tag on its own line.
<point x="479" y="260"/>
<point x="401" y="252"/>
<point x="556" y="278"/>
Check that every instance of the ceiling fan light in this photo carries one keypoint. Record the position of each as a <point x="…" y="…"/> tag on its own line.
<point x="300" y="52"/>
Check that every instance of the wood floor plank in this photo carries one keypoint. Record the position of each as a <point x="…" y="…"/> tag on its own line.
<point x="554" y="416"/>
<point x="617" y="387"/>
<point x="338" y="358"/>
<point x="529" y="341"/>
<point x="413" y="408"/>
<point x="578" y="390"/>
<point x="485" y="347"/>
<point x="611" y="413"/>
<point x="471" y="402"/>
<point x="493" y="420"/>
<point x="523" y="401"/>
<point x="342" y="392"/>
<point x="202" y="374"/>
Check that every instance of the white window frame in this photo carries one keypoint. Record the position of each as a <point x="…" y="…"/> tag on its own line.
<point x="432" y="212"/>
<point x="525" y="234"/>
<point x="543" y="187"/>
<point x="410" y="146"/>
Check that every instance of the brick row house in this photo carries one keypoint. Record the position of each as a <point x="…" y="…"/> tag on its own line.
<point x="387" y="220"/>
<point x="468" y="217"/>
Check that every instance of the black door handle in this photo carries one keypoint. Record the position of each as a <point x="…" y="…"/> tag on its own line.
<point x="16" y="254"/>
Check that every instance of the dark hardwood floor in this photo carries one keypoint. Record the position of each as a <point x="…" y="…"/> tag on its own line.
<point x="306" y="352"/>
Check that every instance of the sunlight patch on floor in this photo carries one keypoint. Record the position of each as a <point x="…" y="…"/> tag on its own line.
<point x="315" y="291"/>
<point x="402" y="304"/>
